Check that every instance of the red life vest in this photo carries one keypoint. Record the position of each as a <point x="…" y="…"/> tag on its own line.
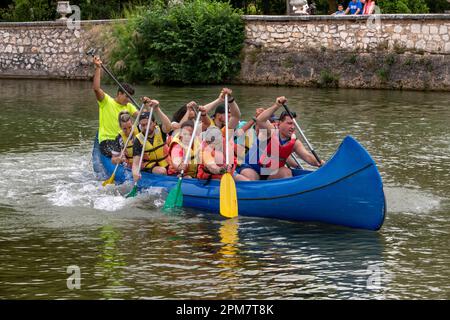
<point x="284" y="151"/>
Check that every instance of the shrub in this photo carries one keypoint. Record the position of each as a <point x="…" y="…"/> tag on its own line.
<point x="328" y="79"/>
<point x="403" y="6"/>
<point x="198" y="41"/>
<point x="29" y="10"/>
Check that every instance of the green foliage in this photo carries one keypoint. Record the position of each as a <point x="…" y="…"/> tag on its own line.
<point x="403" y="6"/>
<point x="383" y="74"/>
<point x="328" y="79"/>
<point x="29" y="10"/>
<point x="195" y="42"/>
<point x="438" y="6"/>
<point x="352" y="59"/>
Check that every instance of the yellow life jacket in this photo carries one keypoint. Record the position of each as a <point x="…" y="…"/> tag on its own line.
<point x="129" y="148"/>
<point x="155" y="153"/>
<point x="193" y="165"/>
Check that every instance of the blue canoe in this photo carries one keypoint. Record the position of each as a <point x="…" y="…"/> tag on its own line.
<point x="346" y="191"/>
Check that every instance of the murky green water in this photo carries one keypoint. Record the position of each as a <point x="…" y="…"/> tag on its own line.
<point x="54" y="214"/>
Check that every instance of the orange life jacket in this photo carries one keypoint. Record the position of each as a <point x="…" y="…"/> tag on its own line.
<point x="203" y="172"/>
<point x="192" y="165"/>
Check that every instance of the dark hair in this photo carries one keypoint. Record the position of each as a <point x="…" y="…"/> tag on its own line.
<point x="285" y="114"/>
<point x="179" y="114"/>
<point x="124" y="115"/>
<point x="145" y="115"/>
<point x="220" y="109"/>
<point x="188" y="123"/>
<point x="127" y="87"/>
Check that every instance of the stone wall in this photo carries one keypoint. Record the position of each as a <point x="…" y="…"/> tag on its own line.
<point x="384" y="51"/>
<point x="51" y="50"/>
<point x="387" y="51"/>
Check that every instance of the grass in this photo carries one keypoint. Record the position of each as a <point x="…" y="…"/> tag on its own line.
<point x="328" y="79"/>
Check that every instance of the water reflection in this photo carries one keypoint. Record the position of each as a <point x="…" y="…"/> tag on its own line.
<point x="228" y="254"/>
<point x="111" y="264"/>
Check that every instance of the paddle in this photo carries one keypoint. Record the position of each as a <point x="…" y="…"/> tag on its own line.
<point x="113" y="176"/>
<point x="91" y="52"/>
<point x="133" y="192"/>
<point x="175" y="196"/>
<point x="301" y="132"/>
<point x="228" y="194"/>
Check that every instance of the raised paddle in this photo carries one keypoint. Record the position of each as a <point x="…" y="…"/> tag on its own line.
<point x="301" y="132"/>
<point x="91" y="52"/>
<point x="133" y="192"/>
<point x="113" y="176"/>
<point x="175" y="196"/>
<point x="228" y="194"/>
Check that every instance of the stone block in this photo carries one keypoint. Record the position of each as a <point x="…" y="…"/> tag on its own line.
<point x="434" y="30"/>
<point x="415" y="28"/>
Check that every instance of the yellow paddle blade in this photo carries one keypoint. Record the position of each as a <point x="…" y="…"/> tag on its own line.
<point x="228" y="197"/>
<point x="109" y="181"/>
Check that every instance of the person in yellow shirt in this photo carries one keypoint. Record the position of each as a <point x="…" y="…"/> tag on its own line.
<point x="109" y="109"/>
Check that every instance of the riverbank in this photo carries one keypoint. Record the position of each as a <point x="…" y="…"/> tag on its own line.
<point x="379" y="52"/>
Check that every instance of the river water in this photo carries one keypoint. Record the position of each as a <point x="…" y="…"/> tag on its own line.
<point x="55" y="214"/>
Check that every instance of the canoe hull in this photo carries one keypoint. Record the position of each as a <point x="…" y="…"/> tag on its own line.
<point x="347" y="191"/>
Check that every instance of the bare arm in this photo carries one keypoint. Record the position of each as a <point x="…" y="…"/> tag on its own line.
<point x="166" y="124"/>
<point x="206" y="122"/>
<point x="245" y="127"/>
<point x="291" y="163"/>
<point x="263" y="119"/>
<point x="307" y="156"/>
<point x="99" y="93"/>
<point x="136" y="169"/>
<point x="235" y="115"/>
<point x="212" y="105"/>
<point x="189" y="107"/>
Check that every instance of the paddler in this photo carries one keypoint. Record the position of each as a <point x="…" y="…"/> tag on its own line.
<point x="213" y="164"/>
<point x="178" y="148"/>
<point x="218" y="119"/>
<point x="281" y="143"/>
<point x="126" y="125"/>
<point x="156" y="151"/>
<point x="109" y="109"/>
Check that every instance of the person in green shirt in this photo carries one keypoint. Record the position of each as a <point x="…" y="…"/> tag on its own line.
<point x="109" y="109"/>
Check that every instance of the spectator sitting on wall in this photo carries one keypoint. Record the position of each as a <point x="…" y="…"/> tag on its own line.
<point x="354" y="7"/>
<point x="340" y="10"/>
<point x="369" y="7"/>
